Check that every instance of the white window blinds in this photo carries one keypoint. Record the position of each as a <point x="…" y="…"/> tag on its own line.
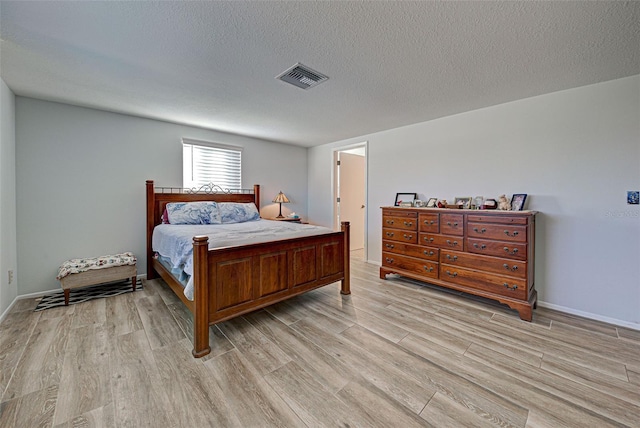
<point x="204" y="163"/>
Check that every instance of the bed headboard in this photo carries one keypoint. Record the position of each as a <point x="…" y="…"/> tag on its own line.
<point x="159" y="197"/>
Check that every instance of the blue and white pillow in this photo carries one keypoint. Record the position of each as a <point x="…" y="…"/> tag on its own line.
<point x="238" y="212"/>
<point x="193" y="213"/>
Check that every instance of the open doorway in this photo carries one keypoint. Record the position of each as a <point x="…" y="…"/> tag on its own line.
<point x="350" y="171"/>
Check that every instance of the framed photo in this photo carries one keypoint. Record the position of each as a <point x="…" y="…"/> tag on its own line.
<point x="432" y="203"/>
<point x="403" y="198"/>
<point x="517" y="201"/>
<point x="465" y="201"/>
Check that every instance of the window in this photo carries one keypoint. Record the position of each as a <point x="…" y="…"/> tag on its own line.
<point x="204" y="163"/>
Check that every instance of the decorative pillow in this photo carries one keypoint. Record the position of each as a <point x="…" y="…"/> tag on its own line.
<point x="238" y="212"/>
<point x="165" y="217"/>
<point x="193" y="213"/>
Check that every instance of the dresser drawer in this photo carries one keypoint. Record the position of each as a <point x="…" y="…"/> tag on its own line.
<point x="502" y="219"/>
<point x="410" y="264"/>
<point x="442" y="241"/>
<point x="499" y="232"/>
<point x="505" y="286"/>
<point x="400" y="235"/>
<point x="511" y="250"/>
<point x="404" y="223"/>
<point x="429" y="222"/>
<point x="451" y="224"/>
<point x="411" y="250"/>
<point x="403" y="213"/>
<point x="488" y="264"/>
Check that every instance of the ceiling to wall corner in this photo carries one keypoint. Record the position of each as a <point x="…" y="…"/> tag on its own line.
<point x="390" y="64"/>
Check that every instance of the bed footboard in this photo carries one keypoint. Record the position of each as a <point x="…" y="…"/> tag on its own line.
<point x="229" y="282"/>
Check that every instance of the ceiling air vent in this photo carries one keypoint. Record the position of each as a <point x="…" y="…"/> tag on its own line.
<point x="302" y="76"/>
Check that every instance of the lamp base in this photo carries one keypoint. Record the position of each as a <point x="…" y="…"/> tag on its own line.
<point x="280" y="216"/>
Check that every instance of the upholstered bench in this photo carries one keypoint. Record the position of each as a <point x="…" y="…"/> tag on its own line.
<point x="78" y="273"/>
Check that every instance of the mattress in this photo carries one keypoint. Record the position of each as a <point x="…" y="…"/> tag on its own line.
<point x="174" y="243"/>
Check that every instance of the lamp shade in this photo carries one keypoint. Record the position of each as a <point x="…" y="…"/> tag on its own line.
<point x="281" y="198"/>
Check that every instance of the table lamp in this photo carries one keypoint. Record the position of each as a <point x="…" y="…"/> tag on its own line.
<point x="281" y="199"/>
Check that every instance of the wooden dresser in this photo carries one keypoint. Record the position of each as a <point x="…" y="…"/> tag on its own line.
<point x="482" y="252"/>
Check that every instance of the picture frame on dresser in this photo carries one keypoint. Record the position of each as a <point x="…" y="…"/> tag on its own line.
<point x="403" y="198"/>
<point x="465" y="201"/>
<point x="517" y="201"/>
<point x="432" y="203"/>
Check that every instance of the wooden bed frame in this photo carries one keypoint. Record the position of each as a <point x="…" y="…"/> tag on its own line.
<point x="233" y="281"/>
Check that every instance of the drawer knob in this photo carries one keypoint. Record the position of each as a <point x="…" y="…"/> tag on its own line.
<point x="454" y="258"/>
<point x="514" y="287"/>
<point x="514" y="233"/>
<point x="407" y="236"/>
<point x="428" y="253"/>
<point x="512" y="268"/>
<point x="428" y="268"/>
<point x="514" y="252"/>
<point x="453" y="244"/>
<point x="391" y="246"/>
<point x="388" y="260"/>
<point x="408" y="223"/>
<point x="483" y="230"/>
<point x="481" y="247"/>
<point x="389" y="221"/>
<point x="455" y="224"/>
<point x="390" y="234"/>
<point x="427" y="239"/>
<point x="428" y="223"/>
<point x="453" y="275"/>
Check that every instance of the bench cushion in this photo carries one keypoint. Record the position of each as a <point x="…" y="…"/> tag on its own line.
<point x="82" y="265"/>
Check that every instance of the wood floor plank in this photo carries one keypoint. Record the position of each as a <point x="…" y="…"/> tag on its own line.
<point x="122" y="314"/>
<point x="365" y="399"/>
<point x="195" y="400"/>
<point x="629" y="334"/>
<point x="634" y="377"/>
<point x="84" y="380"/>
<point x="41" y="362"/>
<point x="441" y="411"/>
<point x="263" y="354"/>
<point x="158" y="322"/>
<point x="34" y="409"/>
<point x="101" y="417"/>
<point x="138" y="395"/>
<point x="617" y="388"/>
<point x="589" y="398"/>
<point x="578" y="322"/>
<point x="381" y="373"/>
<point x="15" y="331"/>
<point x="439" y="379"/>
<point x="548" y="407"/>
<point x="328" y="371"/>
<point x="298" y="388"/>
<point x="248" y="394"/>
<point x="91" y="312"/>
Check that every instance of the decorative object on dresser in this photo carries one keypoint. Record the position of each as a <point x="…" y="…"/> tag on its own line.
<point x="403" y="198"/>
<point x="463" y="202"/>
<point x="517" y="201"/>
<point x="488" y="254"/>
<point x="503" y="203"/>
<point x="432" y="203"/>
<point x="281" y="199"/>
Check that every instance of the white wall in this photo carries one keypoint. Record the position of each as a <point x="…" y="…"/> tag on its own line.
<point x="8" y="250"/>
<point x="575" y="153"/>
<point x="81" y="181"/>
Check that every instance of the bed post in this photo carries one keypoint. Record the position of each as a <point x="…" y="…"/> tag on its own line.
<point x="150" y="225"/>
<point x="346" y="281"/>
<point x="256" y="195"/>
<point x="200" y="296"/>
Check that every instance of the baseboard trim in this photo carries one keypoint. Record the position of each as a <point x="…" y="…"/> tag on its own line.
<point x="6" y="312"/>
<point x="589" y="315"/>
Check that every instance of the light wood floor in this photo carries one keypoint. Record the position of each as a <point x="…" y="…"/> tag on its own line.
<point x="393" y="354"/>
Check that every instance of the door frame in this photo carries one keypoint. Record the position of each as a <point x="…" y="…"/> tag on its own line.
<point x="334" y="188"/>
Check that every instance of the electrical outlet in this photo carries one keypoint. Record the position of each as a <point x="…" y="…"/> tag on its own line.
<point x="10" y="276"/>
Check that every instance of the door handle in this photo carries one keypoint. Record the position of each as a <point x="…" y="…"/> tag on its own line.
<point x="362" y="206"/>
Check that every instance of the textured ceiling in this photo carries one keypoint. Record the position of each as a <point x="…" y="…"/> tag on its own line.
<point x="213" y="64"/>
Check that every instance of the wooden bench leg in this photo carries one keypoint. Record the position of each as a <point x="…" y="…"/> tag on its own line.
<point x="66" y="296"/>
<point x="133" y="282"/>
